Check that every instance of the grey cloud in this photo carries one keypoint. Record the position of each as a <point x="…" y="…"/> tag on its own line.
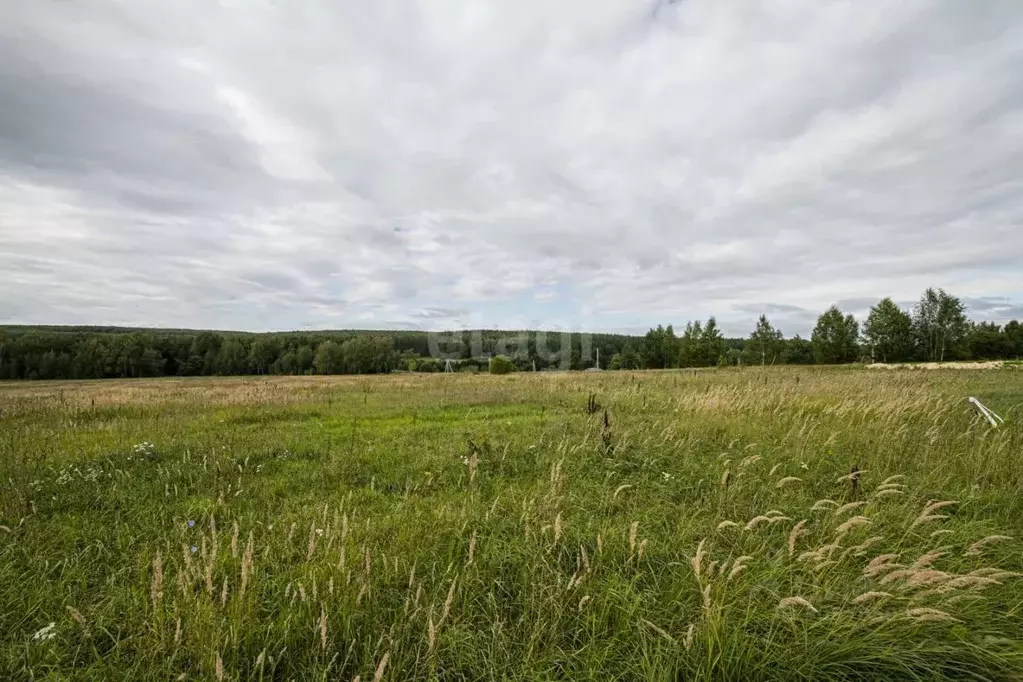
<point x="384" y="161"/>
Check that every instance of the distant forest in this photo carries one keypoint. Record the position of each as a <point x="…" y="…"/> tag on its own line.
<point x="936" y="329"/>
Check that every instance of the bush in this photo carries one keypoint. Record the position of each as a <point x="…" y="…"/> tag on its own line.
<point x="500" y="364"/>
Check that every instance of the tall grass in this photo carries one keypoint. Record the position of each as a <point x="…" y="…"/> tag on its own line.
<point x="757" y="524"/>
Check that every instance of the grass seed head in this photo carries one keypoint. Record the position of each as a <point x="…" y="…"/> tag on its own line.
<point x="788" y="602"/>
<point x="871" y="596"/>
<point x="978" y="547"/>
<point x="794" y="535"/>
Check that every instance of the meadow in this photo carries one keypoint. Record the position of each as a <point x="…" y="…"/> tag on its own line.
<point x="757" y="524"/>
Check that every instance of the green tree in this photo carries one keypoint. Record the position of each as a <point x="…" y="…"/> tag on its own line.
<point x="232" y="359"/>
<point x="712" y="344"/>
<point x="660" y="348"/>
<point x="888" y="332"/>
<point x="330" y="358"/>
<point x="834" y="337"/>
<point x="304" y="359"/>
<point x="1014" y="332"/>
<point x="987" y="341"/>
<point x="766" y="341"/>
<point x="798" y="351"/>
<point x="263" y="353"/>
<point x="939" y="325"/>
<point x="630" y="357"/>
<point x="287" y="363"/>
<point x="690" y="346"/>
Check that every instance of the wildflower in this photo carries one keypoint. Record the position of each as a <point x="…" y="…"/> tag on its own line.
<point x="48" y="632"/>
<point x="191" y="523"/>
<point x="194" y="549"/>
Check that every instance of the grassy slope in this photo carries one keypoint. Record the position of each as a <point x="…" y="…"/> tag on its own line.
<point x="360" y="502"/>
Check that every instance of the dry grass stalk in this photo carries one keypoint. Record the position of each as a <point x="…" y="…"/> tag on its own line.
<point x="641" y="549"/>
<point x="472" y="548"/>
<point x="892" y="480"/>
<point x="807" y="556"/>
<point x="924" y="615"/>
<point x="880" y="564"/>
<point x="935" y="506"/>
<point x="698" y="560"/>
<point x="585" y="558"/>
<point x="177" y="631"/>
<point x="658" y="630"/>
<point x="234" y="540"/>
<point x="888" y="492"/>
<point x="738" y="566"/>
<point x="379" y="674"/>
<point x="557" y="527"/>
<point x="688" y="641"/>
<point x="927" y="518"/>
<point x="849" y="506"/>
<point x="978" y="547"/>
<point x="448" y="601"/>
<point x="633" y="529"/>
<point x="794" y="535"/>
<point x="855" y="475"/>
<point x="706" y="598"/>
<point x="926" y="578"/>
<point x="756" y="521"/>
<point x="976" y="582"/>
<point x="214" y="540"/>
<point x="582" y="603"/>
<point x="854" y="522"/>
<point x="727" y="524"/>
<point x="899" y="574"/>
<point x="620" y="489"/>
<point x="323" y="627"/>
<point x="431" y="634"/>
<point x="796" y="601"/>
<point x="223" y="593"/>
<point x="725" y="478"/>
<point x="156" y="586"/>
<point x="247" y="564"/>
<point x="821" y="505"/>
<point x="219" y="668"/>
<point x="774" y="470"/>
<point x="929" y="558"/>
<point x="311" y="548"/>
<point x="871" y="596"/>
<point x="787" y="481"/>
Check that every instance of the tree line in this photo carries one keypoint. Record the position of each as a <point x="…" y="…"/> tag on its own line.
<point x="40" y="352"/>
<point x="936" y="329"/>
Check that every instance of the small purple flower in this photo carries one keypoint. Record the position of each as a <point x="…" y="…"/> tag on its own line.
<point x="191" y="523"/>
<point x="194" y="549"/>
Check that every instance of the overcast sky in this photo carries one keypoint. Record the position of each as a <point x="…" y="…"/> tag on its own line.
<point x="602" y="165"/>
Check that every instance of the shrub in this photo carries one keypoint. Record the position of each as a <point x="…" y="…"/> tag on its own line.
<point x="500" y="364"/>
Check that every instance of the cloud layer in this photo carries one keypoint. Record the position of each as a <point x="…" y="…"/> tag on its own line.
<point x="604" y="165"/>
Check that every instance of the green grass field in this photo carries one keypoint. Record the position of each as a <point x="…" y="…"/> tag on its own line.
<point x="479" y="527"/>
